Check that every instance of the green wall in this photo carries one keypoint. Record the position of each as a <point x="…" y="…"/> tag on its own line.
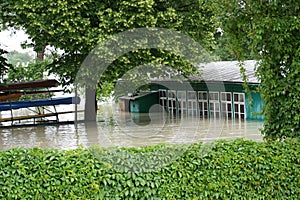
<point x="254" y="111"/>
<point x="142" y="103"/>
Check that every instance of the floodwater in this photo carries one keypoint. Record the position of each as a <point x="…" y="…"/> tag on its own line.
<point x="116" y="128"/>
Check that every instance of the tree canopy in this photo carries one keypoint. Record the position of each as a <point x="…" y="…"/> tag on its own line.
<point x="77" y="26"/>
<point x="271" y="29"/>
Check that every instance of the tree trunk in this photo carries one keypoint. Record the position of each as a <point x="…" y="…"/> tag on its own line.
<point x="40" y="53"/>
<point x="90" y="105"/>
<point x="91" y="131"/>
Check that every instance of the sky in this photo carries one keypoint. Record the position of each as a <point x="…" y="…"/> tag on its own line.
<point x="10" y="41"/>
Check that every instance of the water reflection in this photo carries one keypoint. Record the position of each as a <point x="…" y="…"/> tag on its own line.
<point x="115" y="128"/>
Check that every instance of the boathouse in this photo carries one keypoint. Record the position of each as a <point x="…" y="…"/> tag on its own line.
<point x="218" y="92"/>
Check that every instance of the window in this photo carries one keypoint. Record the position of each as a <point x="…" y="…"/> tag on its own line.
<point x="172" y="101"/>
<point x="162" y="93"/>
<point x="181" y="98"/>
<point x="239" y="105"/>
<point x="192" y="102"/>
<point x="163" y="98"/>
<point x="226" y="104"/>
<point x="214" y="104"/>
<point x="203" y="104"/>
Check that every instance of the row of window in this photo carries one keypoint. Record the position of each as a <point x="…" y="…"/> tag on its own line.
<point x="203" y="103"/>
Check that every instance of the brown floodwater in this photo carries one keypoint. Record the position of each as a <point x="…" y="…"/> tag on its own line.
<point x="116" y="128"/>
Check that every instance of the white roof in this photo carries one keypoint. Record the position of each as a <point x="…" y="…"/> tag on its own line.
<point x="227" y="71"/>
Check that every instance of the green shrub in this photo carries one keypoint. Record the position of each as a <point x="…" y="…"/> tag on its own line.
<point x="236" y="169"/>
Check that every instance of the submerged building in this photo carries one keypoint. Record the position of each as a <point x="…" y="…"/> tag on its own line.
<point x="218" y="92"/>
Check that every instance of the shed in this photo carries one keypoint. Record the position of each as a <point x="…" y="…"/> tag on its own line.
<point x="218" y="92"/>
<point x="139" y="103"/>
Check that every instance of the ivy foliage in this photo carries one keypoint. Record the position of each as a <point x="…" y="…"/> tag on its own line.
<point x="223" y="51"/>
<point x="271" y="30"/>
<point x="238" y="169"/>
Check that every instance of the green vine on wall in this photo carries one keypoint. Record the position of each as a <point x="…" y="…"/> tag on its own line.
<point x="271" y="30"/>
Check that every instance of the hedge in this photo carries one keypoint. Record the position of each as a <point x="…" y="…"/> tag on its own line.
<point x="238" y="169"/>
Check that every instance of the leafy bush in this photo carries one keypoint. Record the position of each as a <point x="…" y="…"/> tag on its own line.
<point x="236" y="169"/>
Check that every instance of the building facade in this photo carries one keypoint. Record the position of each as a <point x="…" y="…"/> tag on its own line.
<point x="218" y="92"/>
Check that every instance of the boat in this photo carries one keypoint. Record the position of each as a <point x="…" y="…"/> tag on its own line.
<point x="39" y="103"/>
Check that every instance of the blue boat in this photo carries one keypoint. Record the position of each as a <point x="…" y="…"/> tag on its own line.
<point x="39" y="103"/>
